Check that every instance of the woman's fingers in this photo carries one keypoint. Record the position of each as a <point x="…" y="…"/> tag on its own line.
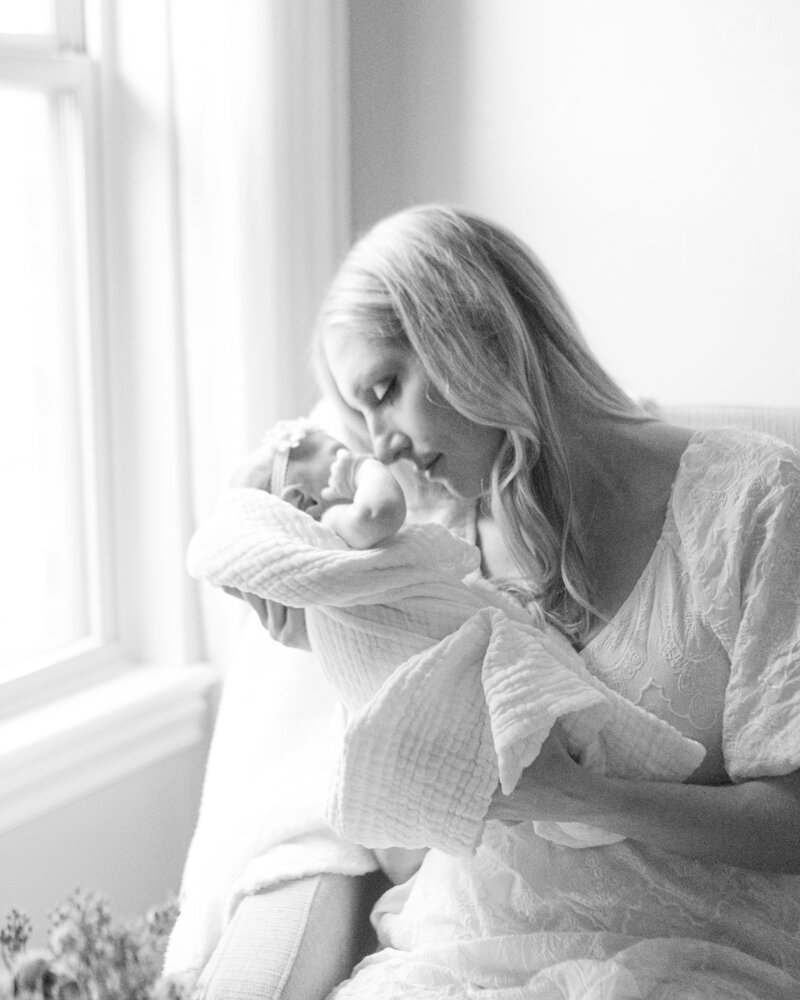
<point x="261" y="608"/>
<point x="292" y="631"/>
<point x="285" y="625"/>
<point x="503" y="808"/>
<point x="542" y="791"/>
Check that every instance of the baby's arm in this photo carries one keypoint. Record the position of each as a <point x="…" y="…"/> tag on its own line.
<point x="368" y="505"/>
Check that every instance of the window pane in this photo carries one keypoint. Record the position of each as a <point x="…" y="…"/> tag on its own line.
<point x="33" y="17"/>
<point x="43" y="586"/>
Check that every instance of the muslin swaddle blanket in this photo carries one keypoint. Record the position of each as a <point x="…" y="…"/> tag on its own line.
<point x="449" y="686"/>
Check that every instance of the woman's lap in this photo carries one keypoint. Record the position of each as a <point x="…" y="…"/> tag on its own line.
<point x="665" y="969"/>
<point x="525" y="919"/>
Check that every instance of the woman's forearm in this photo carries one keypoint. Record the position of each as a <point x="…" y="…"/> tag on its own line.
<point x="755" y="824"/>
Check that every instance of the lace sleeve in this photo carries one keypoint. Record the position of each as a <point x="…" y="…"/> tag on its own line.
<point x="761" y="730"/>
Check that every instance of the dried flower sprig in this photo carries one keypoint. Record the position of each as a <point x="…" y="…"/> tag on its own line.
<point x="90" y="956"/>
<point x="14" y="937"/>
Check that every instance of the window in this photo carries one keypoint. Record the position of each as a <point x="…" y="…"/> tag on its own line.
<point x="53" y="460"/>
<point x="98" y="624"/>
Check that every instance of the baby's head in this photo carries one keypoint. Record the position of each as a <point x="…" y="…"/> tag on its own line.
<point x="299" y="455"/>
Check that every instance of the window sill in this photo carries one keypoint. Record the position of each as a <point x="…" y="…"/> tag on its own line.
<point x="77" y="744"/>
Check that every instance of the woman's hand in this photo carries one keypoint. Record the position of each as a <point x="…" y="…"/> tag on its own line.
<point x="285" y="625"/>
<point x="548" y="788"/>
<point x="754" y="824"/>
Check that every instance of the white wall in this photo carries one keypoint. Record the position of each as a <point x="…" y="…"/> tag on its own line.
<point x="649" y="153"/>
<point x="128" y="841"/>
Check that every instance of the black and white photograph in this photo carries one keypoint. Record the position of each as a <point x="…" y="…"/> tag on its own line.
<point x="400" y="503"/>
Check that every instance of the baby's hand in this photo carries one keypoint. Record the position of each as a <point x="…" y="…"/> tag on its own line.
<point x="367" y="505"/>
<point x="341" y="481"/>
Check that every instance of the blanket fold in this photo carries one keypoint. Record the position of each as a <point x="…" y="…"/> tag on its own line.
<point x="450" y="686"/>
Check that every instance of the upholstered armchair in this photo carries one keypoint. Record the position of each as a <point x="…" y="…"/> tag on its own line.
<point x="300" y="938"/>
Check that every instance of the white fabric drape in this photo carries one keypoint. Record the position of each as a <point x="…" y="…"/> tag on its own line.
<point x="261" y="187"/>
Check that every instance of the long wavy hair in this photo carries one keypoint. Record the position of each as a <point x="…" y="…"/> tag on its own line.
<point x="497" y="340"/>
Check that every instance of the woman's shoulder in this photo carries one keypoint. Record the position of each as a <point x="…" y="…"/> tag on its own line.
<point x="735" y="503"/>
<point x="735" y="489"/>
<point x="729" y="470"/>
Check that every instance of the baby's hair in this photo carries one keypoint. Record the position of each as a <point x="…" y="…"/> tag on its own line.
<point x="495" y="337"/>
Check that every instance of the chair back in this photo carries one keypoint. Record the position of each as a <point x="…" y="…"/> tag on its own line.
<point x="782" y="421"/>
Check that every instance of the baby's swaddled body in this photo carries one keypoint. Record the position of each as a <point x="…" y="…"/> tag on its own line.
<point x="451" y="685"/>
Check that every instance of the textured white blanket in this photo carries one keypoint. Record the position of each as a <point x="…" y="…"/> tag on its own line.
<point x="449" y="687"/>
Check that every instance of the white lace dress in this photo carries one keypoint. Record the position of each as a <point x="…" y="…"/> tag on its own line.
<point x="710" y="641"/>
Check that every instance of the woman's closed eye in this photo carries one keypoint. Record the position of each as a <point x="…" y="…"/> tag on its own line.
<point x="384" y="390"/>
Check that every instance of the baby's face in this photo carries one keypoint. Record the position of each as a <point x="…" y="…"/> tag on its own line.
<point x="310" y="468"/>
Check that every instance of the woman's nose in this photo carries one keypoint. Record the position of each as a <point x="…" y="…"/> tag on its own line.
<point x="388" y="443"/>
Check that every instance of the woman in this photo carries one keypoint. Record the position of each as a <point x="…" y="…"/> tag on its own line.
<point x="672" y="561"/>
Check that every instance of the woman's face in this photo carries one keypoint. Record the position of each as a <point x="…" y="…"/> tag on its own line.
<point x="406" y="417"/>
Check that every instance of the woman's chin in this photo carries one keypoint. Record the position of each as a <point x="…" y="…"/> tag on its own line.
<point x="460" y="491"/>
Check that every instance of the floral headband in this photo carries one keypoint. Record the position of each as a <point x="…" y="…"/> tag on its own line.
<point x="282" y="438"/>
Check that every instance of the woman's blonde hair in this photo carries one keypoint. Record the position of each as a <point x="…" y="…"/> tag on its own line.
<point x="497" y="340"/>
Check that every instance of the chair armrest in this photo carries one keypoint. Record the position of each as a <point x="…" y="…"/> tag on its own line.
<point x="295" y="941"/>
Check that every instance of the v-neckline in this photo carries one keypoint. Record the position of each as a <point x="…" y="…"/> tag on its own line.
<point x="649" y="567"/>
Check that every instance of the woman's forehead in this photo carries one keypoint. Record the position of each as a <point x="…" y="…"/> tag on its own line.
<point x="356" y="361"/>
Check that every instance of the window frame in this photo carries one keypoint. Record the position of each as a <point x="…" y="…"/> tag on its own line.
<point x="136" y="690"/>
<point x="61" y="66"/>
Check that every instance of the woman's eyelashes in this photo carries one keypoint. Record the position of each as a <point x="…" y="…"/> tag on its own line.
<point x="384" y="390"/>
